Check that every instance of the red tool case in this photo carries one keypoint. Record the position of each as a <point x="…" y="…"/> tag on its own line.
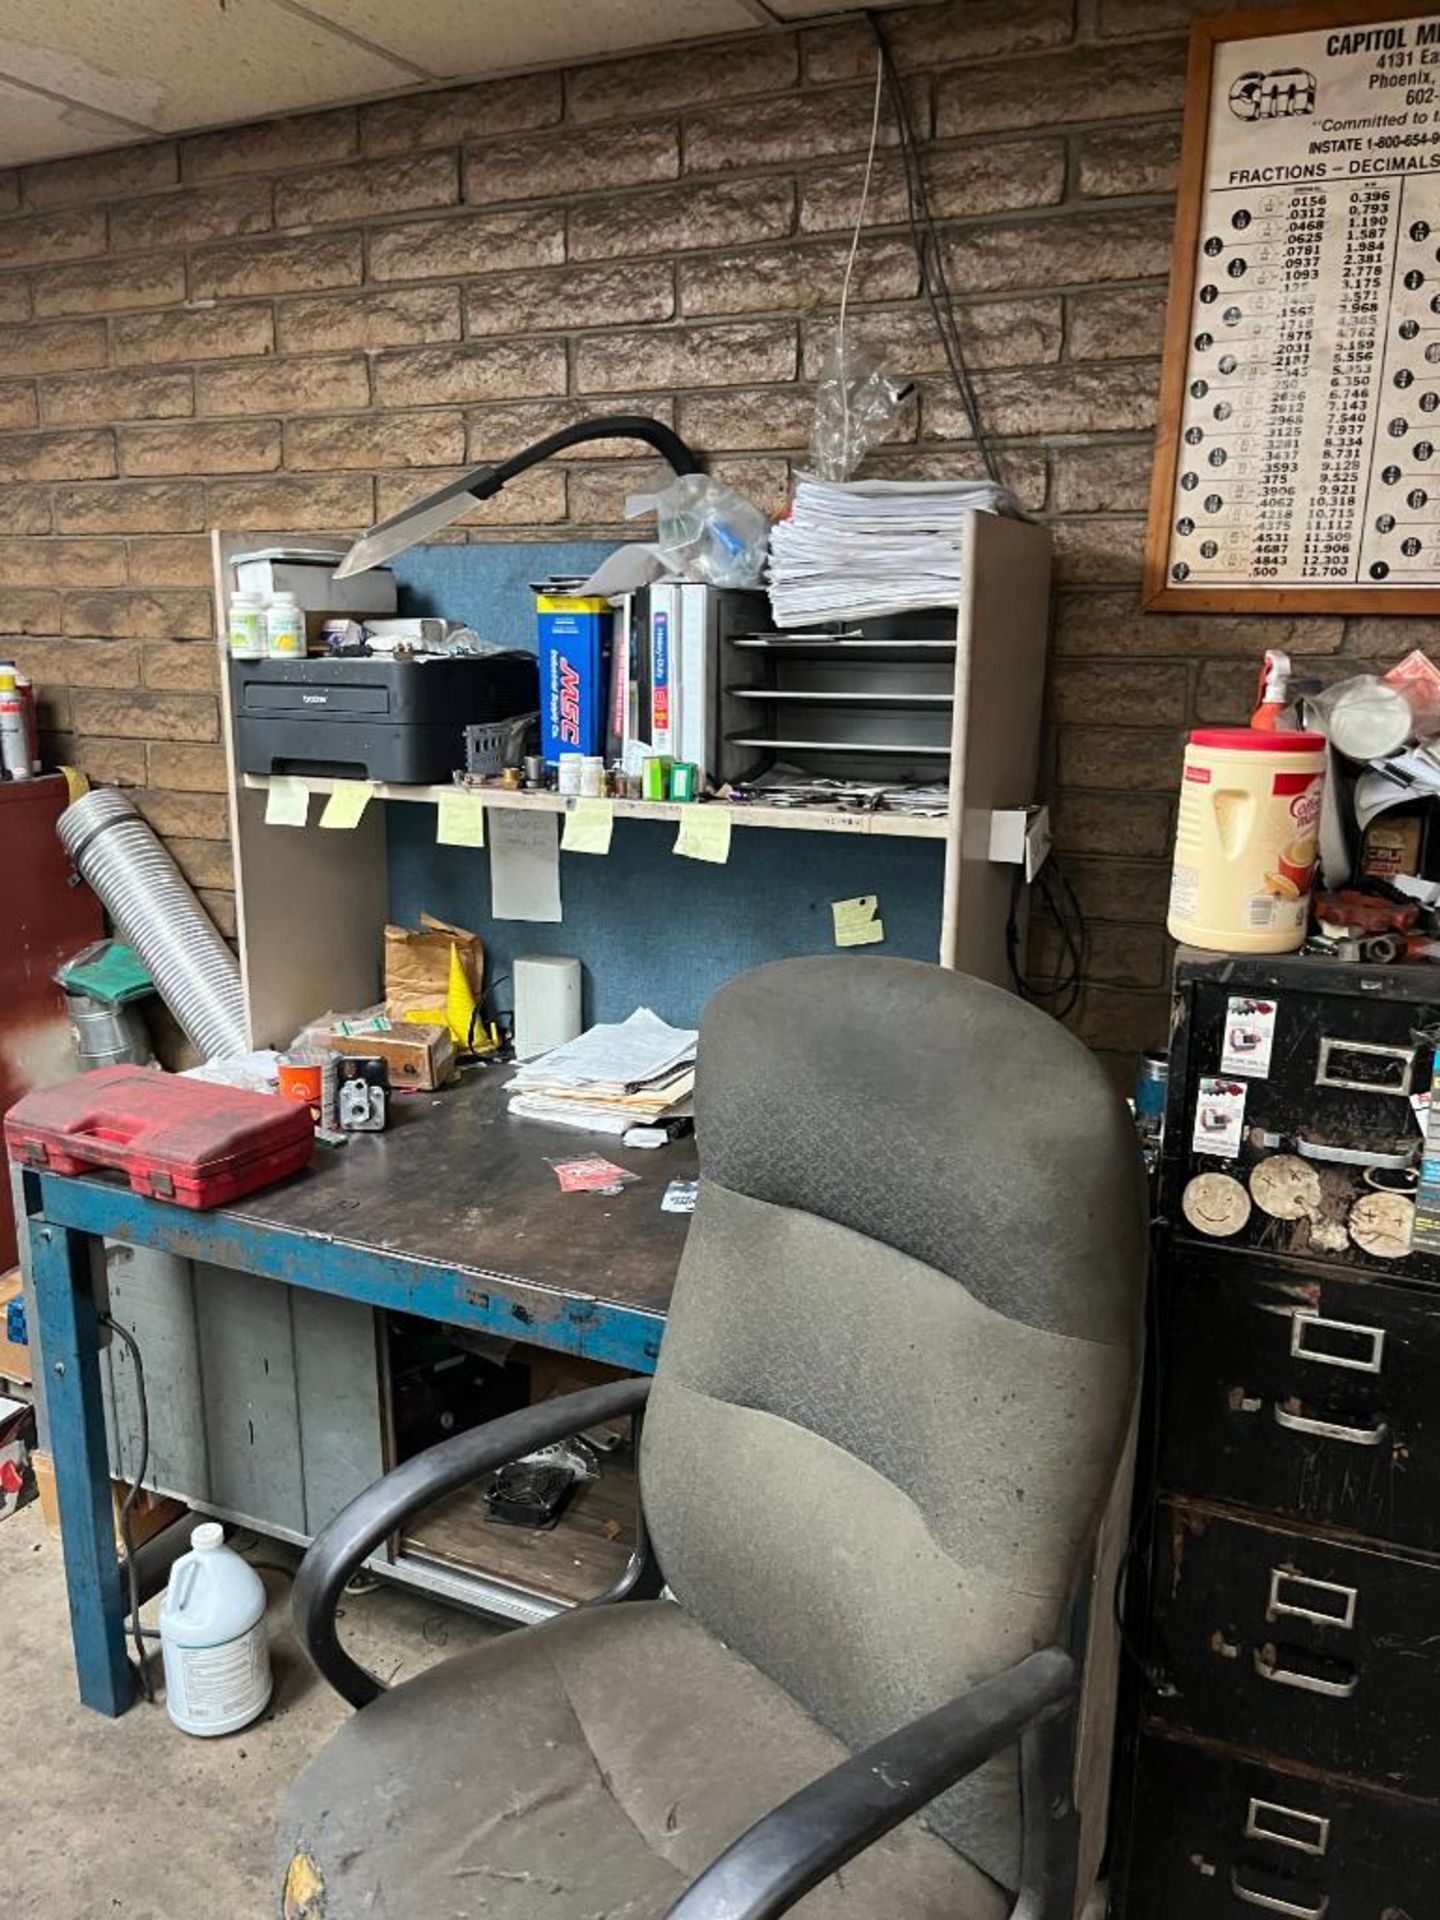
<point x="175" y="1139"/>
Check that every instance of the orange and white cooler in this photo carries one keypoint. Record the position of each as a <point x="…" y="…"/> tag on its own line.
<point x="1245" y="839"/>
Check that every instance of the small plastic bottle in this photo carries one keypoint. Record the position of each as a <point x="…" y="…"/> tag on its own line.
<point x="284" y="628"/>
<point x="14" y="729"/>
<point x="212" y="1636"/>
<point x="246" y="626"/>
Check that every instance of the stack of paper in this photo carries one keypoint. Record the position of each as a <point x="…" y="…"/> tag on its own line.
<point x="611" y="1078"/>
<point x="854" y="548"/>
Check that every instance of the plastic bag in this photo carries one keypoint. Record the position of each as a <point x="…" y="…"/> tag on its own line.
<point x="1363" y="718"/>
<point x="856" y="404"/>
<point x="707" y="531"/>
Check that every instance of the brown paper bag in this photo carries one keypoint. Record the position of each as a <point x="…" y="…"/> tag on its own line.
<point x="417" y="967"/>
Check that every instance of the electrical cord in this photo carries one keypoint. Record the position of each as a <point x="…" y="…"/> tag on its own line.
<point x="138" y="1633"/>
<point x="855" y="248"/>
<point x="929" y="252"/>
<point x="1059" y="992"/>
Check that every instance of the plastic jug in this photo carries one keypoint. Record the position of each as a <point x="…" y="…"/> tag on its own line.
<point x="1245" y="839"/>
<point x="212" y="1636"/>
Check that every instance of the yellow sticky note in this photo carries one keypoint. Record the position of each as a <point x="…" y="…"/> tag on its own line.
<point x="460" y="819"/>
<point x="857" y="922"/>
<point x="704" y="834"/>
<point x="346" y="804"/>
<point x="287" y="804"/>
<point x="588" y="826"/>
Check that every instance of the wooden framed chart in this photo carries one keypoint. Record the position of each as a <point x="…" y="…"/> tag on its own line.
<point x="1298" y="451"/>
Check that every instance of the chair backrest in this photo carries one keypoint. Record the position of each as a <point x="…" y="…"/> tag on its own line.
<point x="902" y="1355"/>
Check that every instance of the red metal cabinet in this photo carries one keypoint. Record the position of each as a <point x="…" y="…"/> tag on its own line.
<point x="44" y="919"/>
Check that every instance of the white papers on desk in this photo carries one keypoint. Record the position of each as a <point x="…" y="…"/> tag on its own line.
<point x="856" y="548"/>
<point x="611" y="1077"/>
<point x="524" y="864"/>
<point x="621" y="1057"/>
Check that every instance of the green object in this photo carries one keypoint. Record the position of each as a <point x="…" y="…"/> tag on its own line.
<point x="109" y="972"/>
<point x="657" y="778"/>
<point x="684" y="780"/>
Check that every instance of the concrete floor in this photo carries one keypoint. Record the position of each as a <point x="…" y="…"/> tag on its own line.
<point x="131" y="1819"/>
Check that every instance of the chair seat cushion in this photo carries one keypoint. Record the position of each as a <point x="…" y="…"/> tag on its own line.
<point x="586" y="1769"/>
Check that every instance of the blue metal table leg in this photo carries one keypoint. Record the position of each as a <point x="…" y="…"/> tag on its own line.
<point x="70" y="1353"/>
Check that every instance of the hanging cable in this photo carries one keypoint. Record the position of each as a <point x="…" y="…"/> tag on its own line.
<point x="127" y="1505"/>
<point x="860" y="211"/>
<point x="929" y="252"/>
<point x="1059" y="990"/>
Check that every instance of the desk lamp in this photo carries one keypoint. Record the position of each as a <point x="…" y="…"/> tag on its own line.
<point x="439" y="509"/>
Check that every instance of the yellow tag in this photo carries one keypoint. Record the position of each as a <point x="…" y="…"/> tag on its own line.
<point x="588" y="826"/>
<point x="704" y="834"/>
<point x="287" y="804"/>
<point x="346" y="804"/>
<point x="76" y="785"/>
<point x="460" y="819"/>
<point x="856" y="921"/>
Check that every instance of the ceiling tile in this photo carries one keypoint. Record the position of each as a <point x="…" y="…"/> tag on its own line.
<point x="171" y="65"/>
<point x="455" y="39"/>
<point x="34" y="128"/>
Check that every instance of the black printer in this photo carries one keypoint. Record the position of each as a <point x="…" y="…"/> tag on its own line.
<point x="374" y="717"/>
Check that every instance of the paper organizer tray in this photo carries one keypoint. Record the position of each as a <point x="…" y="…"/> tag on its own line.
<point x="869" y="699"/>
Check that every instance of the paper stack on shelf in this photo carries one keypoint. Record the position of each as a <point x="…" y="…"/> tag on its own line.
<point x="855" y="548"/>
<point x="613" y="1077"/>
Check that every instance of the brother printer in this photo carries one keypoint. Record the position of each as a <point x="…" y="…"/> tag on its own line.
<point x="374" y="717"/>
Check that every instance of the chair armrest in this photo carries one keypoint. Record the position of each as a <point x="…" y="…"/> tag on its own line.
<point x="355" y="1532"/>
<point x="837" y="1816"/>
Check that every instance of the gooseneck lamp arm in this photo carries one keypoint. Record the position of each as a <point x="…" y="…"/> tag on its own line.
<point x="439" y="509"/>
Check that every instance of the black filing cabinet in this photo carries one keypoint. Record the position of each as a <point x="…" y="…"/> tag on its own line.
<point x="1280" y="1748"/>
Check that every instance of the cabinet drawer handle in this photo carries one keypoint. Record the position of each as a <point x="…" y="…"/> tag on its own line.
<point x="1272" y="1904"/>
<point x="1287" y="1826"/>
<point x="1297" y="1596"/>
<point x="1301" y="1323"/>
<point x="1287" y="1677"/>
<point x="1331" y="1429"/>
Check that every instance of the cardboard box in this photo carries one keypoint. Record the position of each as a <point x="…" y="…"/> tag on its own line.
<point x="418" y="1054"/>
<point x="574" y="649"/>
<point x="151" y="1513"/>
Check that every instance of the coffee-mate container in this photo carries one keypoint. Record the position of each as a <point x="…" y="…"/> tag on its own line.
<point x="1245" y="839"/>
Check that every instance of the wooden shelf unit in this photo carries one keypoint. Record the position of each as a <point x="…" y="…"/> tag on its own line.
<point x="899" y="826"/>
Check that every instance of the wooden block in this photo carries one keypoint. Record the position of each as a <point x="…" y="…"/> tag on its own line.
<point x="14" y="1358"/>
<point x="152" y="1511"/>
<point x="44" y="1468"/>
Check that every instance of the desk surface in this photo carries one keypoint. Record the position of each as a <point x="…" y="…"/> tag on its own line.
<point x="456" y="1182"/>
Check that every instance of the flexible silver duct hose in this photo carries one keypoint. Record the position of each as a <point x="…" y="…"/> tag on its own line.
<point x="152" y="905"/>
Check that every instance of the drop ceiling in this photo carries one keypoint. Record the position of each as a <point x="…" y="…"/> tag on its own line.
<point x="79" y="75"/>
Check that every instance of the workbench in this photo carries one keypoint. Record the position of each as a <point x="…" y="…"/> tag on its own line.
<point x="454" y="1215"/>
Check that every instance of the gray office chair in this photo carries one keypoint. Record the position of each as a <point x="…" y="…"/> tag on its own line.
<point x="893" y="1389"/>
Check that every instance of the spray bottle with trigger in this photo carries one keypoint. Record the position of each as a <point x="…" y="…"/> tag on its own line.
<point x="1274" y="692"/>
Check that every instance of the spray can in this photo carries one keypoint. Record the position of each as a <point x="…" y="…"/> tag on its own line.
<point x="14" y="730"/>
<point x="26" y="690"/>
<point x="212" y="1636"/>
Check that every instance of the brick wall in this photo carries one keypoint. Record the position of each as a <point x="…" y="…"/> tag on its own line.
<point x="305" y="323"/>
